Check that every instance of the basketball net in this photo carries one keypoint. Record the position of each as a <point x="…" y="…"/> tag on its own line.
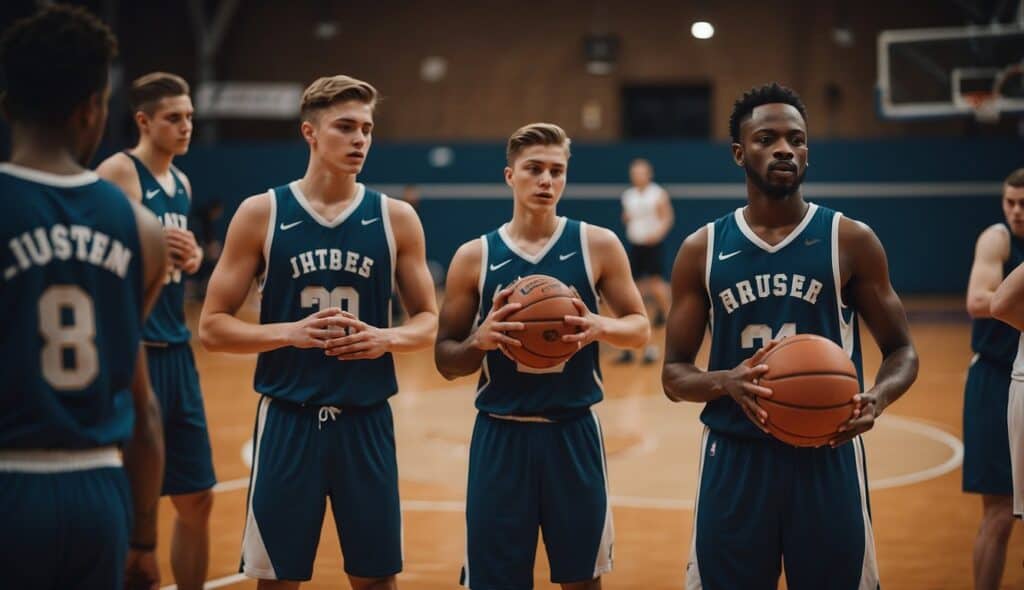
<point x="984" y="104"/>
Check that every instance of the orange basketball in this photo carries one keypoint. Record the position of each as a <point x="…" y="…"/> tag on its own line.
<point x="813" y="383"/>
<point x="545" y="303"/>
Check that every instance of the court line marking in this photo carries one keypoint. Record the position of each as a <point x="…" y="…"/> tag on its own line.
<point x="911" y="425"/>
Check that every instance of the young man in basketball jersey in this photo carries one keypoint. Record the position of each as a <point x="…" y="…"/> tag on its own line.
<point x="1008" y="305"/>
<point x="537" y="457"/>
<point x="81" y="267"/>
<point x="163" y="114"/>
<point x="999" y="250"/>
<point x="648" y="216"/>
<point x="328" y="253"/>
<point x="779" y="266"/>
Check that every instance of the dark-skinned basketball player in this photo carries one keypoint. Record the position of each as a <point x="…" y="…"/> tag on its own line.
<point x="776" y="267"/>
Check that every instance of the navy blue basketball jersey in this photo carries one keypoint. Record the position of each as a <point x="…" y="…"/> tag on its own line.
<point x="507" y="388"/>
<point x="166" y="323"/>
<point x="759" y="292"/>
<point x="71" y="302"/>
<point x="313" y="264"/>
<point x="990" y="337"/>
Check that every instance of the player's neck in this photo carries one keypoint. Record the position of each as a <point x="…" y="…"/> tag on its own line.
<point x="765" y="211"/>
<point x="324" y="185"/>
<point x="46" y="151"/>
<point x="157" y="161"/>
<point x="532" y="226"/>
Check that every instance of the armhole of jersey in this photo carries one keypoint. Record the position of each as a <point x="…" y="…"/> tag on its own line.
<point x="389" y="234"/>
<point x="846" y="329"/>
<point x="178" y="175"/>
<point x="268" y="241"/>
<point x="482" y="279"/>
<point x="585" y="250"/>
<point x="709" y="257"/>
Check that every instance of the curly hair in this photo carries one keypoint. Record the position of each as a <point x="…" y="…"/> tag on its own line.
<point x="755" y="97"/>
<point x="53" y="61"/>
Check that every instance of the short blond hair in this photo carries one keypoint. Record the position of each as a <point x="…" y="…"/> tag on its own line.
<point x="536" y="134"/>
<point x="146" y="91"/>
<point x="330" y="90"/>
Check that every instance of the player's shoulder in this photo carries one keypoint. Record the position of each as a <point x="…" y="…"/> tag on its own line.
<point x="397" y="208"/>
<point x="184" y="179"/>
<point x="120" y="170"/>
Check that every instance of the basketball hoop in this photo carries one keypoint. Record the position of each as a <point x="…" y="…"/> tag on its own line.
<point x="985" y="105"/>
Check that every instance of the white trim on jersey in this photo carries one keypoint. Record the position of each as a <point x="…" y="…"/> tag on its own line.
<point x="869" y="578"/>
<point x="1015" y="431"/>
<point x="756" y="239"/>
<point x="57" y="180"/>
<point x="58" y="460"/>
<point x="709" y="259"/>
<point x="603" y="562"/>
<point x="255" y="557"/>
<point x="389" y="233"/>
<point x="268" y="240"/>
<point x="846" y="329"/>
<point x="693" y="581"/>
<point x="585" y="251"/>
<point x="484" y="372"/>
<point x="535" y="258"/>
<point x="304" y="203"/>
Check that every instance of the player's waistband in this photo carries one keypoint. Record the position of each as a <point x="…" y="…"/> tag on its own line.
<point x="58" y="461"/>
<point x="551" y="418"/>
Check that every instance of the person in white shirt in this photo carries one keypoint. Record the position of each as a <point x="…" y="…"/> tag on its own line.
<point x="648" y="216"/>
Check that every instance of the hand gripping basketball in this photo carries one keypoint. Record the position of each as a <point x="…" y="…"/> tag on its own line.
<point x="741" y="384"/>
<point x="492" y="332"/>
<point x="548" y="337"/>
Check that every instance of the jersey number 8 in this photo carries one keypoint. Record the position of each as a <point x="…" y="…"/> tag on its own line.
<point x="77" y="336"/>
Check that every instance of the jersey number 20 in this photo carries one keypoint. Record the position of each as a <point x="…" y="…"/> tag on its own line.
<point x="345" y="298"/>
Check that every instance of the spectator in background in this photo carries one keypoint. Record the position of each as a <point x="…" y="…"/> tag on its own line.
<point x="648" y="217"/>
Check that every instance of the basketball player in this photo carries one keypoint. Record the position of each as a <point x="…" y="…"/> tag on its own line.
<point x="537" y="458"/>
<point x="81" y="267"/>
<point x="163" y="114"/>
<point x="1008" y="305"/>
<point x="999" y="250"/>
<point x="327" y="252"/>
<point x="779" y="266"/>
<point x="648" y="216"/>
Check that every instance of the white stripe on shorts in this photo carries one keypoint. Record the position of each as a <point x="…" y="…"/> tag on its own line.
<point x="603" y="563"/>
<point x="1015" y="429"/>
<point x="869" y="570"/>
<point x="255" y="558"/>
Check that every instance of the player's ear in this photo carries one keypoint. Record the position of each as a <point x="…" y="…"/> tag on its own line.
<point x="142" y="120"/>
<point x="308" y="132"/>
<point x="737" y="154"/>
<point x="508" y="175"/>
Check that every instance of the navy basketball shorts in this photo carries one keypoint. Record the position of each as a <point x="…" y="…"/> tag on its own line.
<point x="188" y="457"/>
<point x="305" y="455"/>
<point x="986" y="443"/>
<point x="1015" y="426"/>
<point x="525" y="476"/>
<point x="65" y="519"/>
<point x="762" y="503"/>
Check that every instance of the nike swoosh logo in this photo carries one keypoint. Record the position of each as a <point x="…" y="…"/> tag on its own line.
<point x="369" y="221"/>
<point x="500" y="264"/>
<point x="567" y="256"/>
<point x="724" y="256"/>
<point x="152" y="193"/>
<point x="811" y="242"/>
<point x="288" y="226"/>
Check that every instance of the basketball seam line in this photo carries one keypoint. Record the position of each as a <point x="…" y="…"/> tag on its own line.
<point x="789" y="405"/>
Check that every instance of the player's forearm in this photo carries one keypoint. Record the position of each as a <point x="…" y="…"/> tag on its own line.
<point x="629" y="331"/>
<point x="979" y="303"/>
<point x="895" y="376"/>
<point x="1007" y="304"/>
<point x="144" y="463"/>
<point x="417" y="333"/>
<point x="686" y="382"/>
<point x="223" y="332"/>
<point x="456" y="358"/>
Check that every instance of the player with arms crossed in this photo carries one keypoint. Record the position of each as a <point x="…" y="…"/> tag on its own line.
<point x="777" y="267"/>
<point x="537" y="457"/>
<point x="81" y="267"/>
<point x="328" y="252"/>
<point x="1008" y="305"/>
<point x="999" y="250"/>
<point x="163" y="114"/>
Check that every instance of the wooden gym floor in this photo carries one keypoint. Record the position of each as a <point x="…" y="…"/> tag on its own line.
<point x="924" y="525"/>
